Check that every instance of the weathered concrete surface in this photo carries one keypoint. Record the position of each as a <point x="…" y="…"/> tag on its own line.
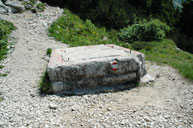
<point x="83" y="69"/>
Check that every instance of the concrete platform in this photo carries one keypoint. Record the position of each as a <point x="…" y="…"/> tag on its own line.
<point x="95" y="68"/>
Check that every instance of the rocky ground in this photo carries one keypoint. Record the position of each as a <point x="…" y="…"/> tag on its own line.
<point x="168" y="102"/>
<point x="18" y="6"/>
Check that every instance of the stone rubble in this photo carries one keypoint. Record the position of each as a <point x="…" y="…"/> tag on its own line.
<point x="166" y="103"/>
<point x="17" y="6"/>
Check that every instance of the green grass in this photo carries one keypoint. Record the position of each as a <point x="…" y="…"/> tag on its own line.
<point x="5" y="29"/>
<point x="70" y="29"/>
<point x="165" y="52"/>
<point x="1" y="98"/>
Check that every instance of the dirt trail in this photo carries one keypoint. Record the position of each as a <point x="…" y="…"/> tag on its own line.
<point x="168" y="102"/>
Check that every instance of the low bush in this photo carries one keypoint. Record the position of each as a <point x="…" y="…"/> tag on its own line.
<point x="144" y="31"/>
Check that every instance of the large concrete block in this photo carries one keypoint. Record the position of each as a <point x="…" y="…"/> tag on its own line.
<point x="94" y="68"/>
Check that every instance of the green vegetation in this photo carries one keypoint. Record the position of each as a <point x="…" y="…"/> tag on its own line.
<point x="41" y="7"/>
<point x="165" y="52"/>
<point x="1" y="98"/>
<point x="1" y="66"/>
<point x="144" y="31"/>
<point x="119" y="14"/>
<point x="49" y="51"/>
<point x="70" y="29"/>
<point x="29" y="3"/>
<point x="3" y="74"/>
<point x="45" y="84"/>
<point x="5" y="29"/>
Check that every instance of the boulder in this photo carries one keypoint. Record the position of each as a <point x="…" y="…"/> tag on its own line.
<point x="94" y="68"/>
<point x="4" y="8"/>
<point x="15" y="5"/>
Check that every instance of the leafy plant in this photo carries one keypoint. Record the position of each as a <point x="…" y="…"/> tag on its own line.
<point x="49" y="51"/>
<point x="144" y="31"/>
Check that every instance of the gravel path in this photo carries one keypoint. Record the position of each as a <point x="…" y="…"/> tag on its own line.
<point x="168" y="102"/>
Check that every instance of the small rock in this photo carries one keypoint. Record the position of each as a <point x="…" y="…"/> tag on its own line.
<point x="157" y="75"/>
<point x="109" y="109"/>
<point x="100" y="106"/>
<point x="16" y="6"/>
<point x="46" y="58"/>
<point x="30" y="49"/>
<point x="53" y="106"/>
<point x="147" y="78"/>
<point x="72" y="109"/>
<point x="32" y="95"/>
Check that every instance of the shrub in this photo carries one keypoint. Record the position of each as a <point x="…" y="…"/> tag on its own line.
<point x="49" y="51"/>
<point x="144" y="31"/>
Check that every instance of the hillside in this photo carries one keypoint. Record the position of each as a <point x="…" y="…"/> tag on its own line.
<point x="166" y="102"/>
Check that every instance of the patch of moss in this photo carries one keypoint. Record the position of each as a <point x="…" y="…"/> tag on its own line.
<point x="45" y="84"/>
<point x="49" y="51"/>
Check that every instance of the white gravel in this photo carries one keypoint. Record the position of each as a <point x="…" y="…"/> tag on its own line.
<point x="168" y="102"/>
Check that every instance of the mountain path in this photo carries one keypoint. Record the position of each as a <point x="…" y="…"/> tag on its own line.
<point x="168" y="102"/>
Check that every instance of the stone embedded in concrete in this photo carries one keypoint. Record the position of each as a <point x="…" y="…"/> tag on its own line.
<point x="89" y="68"/>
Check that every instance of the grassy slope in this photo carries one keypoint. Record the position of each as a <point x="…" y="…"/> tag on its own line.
<point x="5" y="29"/>
<point x="166" y="52"/>
<point x="70" y="29"/>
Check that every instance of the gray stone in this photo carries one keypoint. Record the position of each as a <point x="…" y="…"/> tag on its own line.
<point x="4" y="9"/>
<point x="15" y="5"/>
<point x="147" y="78"/>
<point x="53" y="106"/>
<point x="98" y="67"/>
